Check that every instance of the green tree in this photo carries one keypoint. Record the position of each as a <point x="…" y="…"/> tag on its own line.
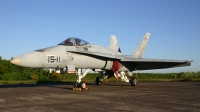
<point x="3" y="69"/>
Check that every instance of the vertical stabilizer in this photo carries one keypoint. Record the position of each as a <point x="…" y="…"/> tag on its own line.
<point x="138" y="53"/>
<point x="114" y="44"/>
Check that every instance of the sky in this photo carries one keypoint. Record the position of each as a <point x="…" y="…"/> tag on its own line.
<point x="174" y="25"/>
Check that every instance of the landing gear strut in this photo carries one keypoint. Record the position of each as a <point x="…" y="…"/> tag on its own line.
<point x="122" y="75"/>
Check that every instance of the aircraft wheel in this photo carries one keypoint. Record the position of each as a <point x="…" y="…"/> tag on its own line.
<point x="76" y="85"/>
<point x="133" y="81"/>
<point x="97" y="81"/>
<point x="82" y="85"/>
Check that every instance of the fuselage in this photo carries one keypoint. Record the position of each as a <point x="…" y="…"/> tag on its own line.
<point x="59" y="56"/>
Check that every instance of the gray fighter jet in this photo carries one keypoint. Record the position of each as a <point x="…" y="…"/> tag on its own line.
<point x="75" y="54"/>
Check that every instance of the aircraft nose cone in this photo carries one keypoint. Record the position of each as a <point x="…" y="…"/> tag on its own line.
<point x="31" y="59"/>
<point x="16" y="61"/>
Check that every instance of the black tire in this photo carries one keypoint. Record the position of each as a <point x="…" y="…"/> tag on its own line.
<point x="76" y="85"/>
<point x="82" y="85"/>
<point x="133" y="81"/>
<point x="97" y="81"/>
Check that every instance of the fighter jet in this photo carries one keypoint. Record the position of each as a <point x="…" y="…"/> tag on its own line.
<point x="75" y="54"/>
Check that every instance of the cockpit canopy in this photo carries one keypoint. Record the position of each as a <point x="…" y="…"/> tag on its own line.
<point x="73" y="42"/>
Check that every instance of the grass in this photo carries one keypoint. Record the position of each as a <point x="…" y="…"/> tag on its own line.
<point x="18" y="82"/>
<point x="142" y="77"/>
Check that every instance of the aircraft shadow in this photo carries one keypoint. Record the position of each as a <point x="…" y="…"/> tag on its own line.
<point x="70" y="88"/>
<point x="40" y="84"/>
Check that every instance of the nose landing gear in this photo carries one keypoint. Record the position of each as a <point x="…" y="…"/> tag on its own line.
<point x="79" y="85"/>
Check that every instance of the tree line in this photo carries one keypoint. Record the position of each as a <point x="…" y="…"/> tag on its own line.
<point x="9" y="71"/>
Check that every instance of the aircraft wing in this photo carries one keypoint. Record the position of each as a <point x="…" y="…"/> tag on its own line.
<point x="138" y="63"/>
<point x="148" y="64"/>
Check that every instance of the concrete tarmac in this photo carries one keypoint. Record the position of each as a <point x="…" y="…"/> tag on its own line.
<point x="59" y="97"/>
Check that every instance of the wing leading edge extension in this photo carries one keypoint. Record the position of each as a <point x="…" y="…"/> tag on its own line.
<point x="95" y="55"/>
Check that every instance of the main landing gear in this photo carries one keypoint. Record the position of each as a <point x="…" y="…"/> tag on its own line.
<point x="78" y="83"/>
<point x="99" y="80"/>
<point x="133" y="81"/>
<point x="122" y="75"/>
<point x="124" y="78"/>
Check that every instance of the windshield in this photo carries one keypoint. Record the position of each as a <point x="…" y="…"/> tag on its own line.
<point x="73" y="42"/>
